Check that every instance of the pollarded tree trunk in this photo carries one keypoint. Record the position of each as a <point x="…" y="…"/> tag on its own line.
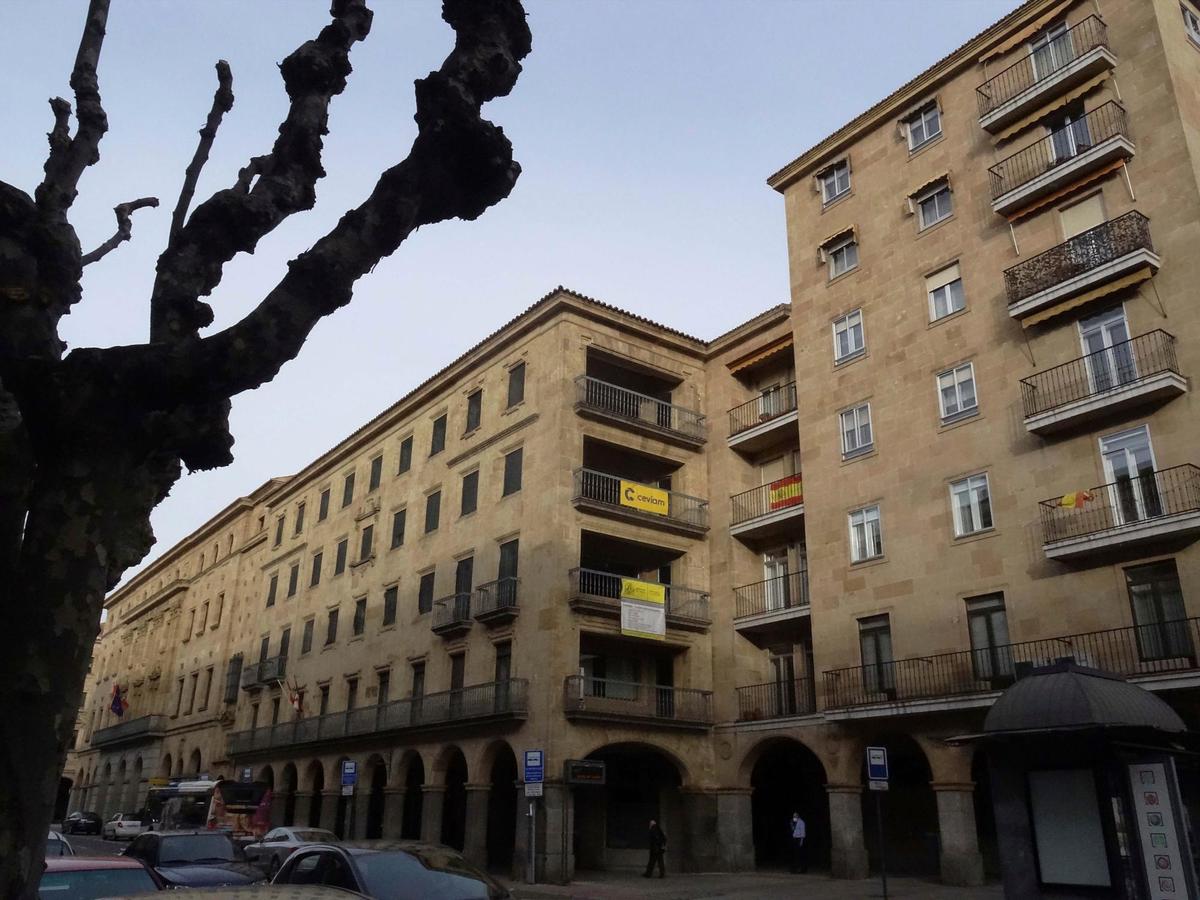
<point x="91" y="441"/>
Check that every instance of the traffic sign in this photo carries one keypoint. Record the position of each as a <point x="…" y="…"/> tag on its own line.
<point x="349" y="775"/>
<point x="877" y="764"/>
<point x="247" y="775"/>
<point x="347" y="790"/>
<point x="534" y="769"/>
<point x="533" y="789"/>
<point x="877" y="785"/>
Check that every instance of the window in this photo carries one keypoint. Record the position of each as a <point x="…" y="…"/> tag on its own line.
<point x="203" y="617"/>
<point x="418" y="679"/>
<point x="945" y="290"/>
<point x="1051" y="50"/>
<point x="987" y="623"/>
<point x="1191" y="21"/>
<point x="366" y="545"/>
<point x="272" y="589"/>
<point x="972" y="504"/>
<point x="875" y="645"/>
<point x="433" y="511"/>
<point x="835" y="181"/>
<point x="516" y="384"/>
<point x="385" y="686"/>
<point x="279" y="531"/>
<point x="923" y="126"/>
<point x="405" y="456"/>
<point x="233" y="678"/>
<point x="425" y="593"/>
<point x="470" y="492"/>
<point x="348" y="490"/>
<point x="956" y="392"/>
<point x="398" y="518"/>
<point x="179" y="696"/>
<point x="274" y="710"/>
<point x="331" y="627"/>
<point x="1159" y="617"/>
<point x="194" y="682"/>
<point x="437" y="441"/>
<point x="934" y="205"/>
<point x="856" y="431"/>
<point x="306" y="639"/>
<point x="299" y="517"/>
<point x="339" y="561"/>
<point x="376" y="474"/>
<point x="1129" y="467"/>
<point x="842" y="256"/>
<point x="206" y="691"/>
<point x="390" y="596"/>
<point x="848" y="337"/>
<point x="360" y="615"/>
<point x="323" y="708"/>
<point x="315" y="578"/>
<point x="264" y="648"/>
<point x="191" y="625"/>
<point x="512" y="471"/>
<point x="866" y="536"/>
<point x="503" y="671"/>
<point x="220" y="607"/>
<point x="323" y="506"/>
<point x="474" y="410"/>
<point x="293" y="580"/>
<point x="285" y="642"/>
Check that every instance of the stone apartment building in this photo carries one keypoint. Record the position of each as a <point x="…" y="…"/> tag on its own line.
<point x="985" y="371"/>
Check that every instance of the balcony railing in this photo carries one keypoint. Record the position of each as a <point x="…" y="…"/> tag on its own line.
<point x="632" y="406"/>
<point x="605" y="589"/>
<point x="1058" y="147"/>
<point x="1120" y="504"/>
<point x="650" y="503"/>
<point x="1042" y="63"/>
<point x="264" y="672"/>
<point x="452" y="613"/>
<point x="497" y="599"/>
<point x="1084" y="252"/>
<point x="605" y="698"/>
<point x="480" y="702"/>
<point x="1138" y="650"/>
<point x="1120" y="366"/>
<point x="776" y="700"/>
<point x="134" y="729"/>
<point x="767" y="406"/>
<point x="776" y="594"/>
<point x="781" y="494"/>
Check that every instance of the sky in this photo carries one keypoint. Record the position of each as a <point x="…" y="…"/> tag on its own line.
<point x="646" y="130"/>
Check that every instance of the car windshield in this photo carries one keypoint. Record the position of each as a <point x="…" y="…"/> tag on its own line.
<point x="93" y="883"/>
<point x="313" y="836"/>
<point x="394" y="875"/>
<point x="190" y="848"/>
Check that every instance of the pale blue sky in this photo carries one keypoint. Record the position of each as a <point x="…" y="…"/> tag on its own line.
<point x="646" y="131"/>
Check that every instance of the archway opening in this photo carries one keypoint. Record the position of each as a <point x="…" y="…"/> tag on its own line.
<point x="377" y="773"/>
<point x="414" y="781"/>
<point x="910" y="819"/>
<point x="62" y="799"/>
<point x="164" y="770"/>
<point x="136" y="800"/>
<point x="121" y="798"/>
<point x="502" y="811"/>
<point x="289" y="796"/>
<point x="454" y="803"/>
<point x="317" y="782"/>
<point x="985" y="817"/>
<point x="104" y="792"/>
<point x="341" y="819"/>
<point x="195" y="763"/>
<point x="788" y="777"/>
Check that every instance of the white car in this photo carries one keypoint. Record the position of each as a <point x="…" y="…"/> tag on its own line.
<point x="57" y="845"/>
<point x="278" y="843"/>
<point x="123" y="825"/>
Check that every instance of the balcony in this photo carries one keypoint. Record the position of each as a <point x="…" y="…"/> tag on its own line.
<point x="1157" y="506"/>
<point x="766" y="603"/>
<point x="263" y="672"/>
<point x="767" y="419"/>
<point x="776" y="700"/>
<point x="645" y="414"/>
<point x="1131" y="373"/>
<point x="1066" y="62"/>
<point x="496" y="601"/>
<point x="767" y="510"/>
<point x="492" y="702"/>
<point x="1086" y="262"/>
<point x="452" y="615"/>
<point x="600" y="593"/>
<point x="1066" y="155"/>
<point x="633" y="703"/>
<point x="143" y="728"/>
<point x="1154" y="654"/>
<point x="642" y="504"/>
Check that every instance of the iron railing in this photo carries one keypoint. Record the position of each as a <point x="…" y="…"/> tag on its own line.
<point x="600" y="487"/>
<point x="494" y="699"/>
<point x="1119" y="504"/>
<point x="1084" y="252"/>
<point x="1058" y="147"/>
<point x="142" y="726"/>
<point x="264" y="671"/>
<point x="606" y="588"/>
<point x="780" y="494"/>
<point x="767" y="406"/>
<point x="1041" y="64"/>
<point x="608" y="698"/>
<point x="776" y="699"/>
<point x="610" y="399"/>
<point x="788" y="591"/>
<point x="1149" y="649"/>
<point x="1121" y="365"/>
<point x="452" y="611"/>
<point x="496" y="596"/>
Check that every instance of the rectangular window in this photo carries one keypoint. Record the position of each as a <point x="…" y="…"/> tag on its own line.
<point x="264" y="648"/>
<point x="360" y="615"/>
<point x="253" y="716"/>
<point x="418" y="679"/>
<point x="866" y="535"/>
<point x="348" y="490"/>
<point x="934" y="205"/>
<point x="516" y="384"/>
<point x="390" y="596"/>
<point x="474" y="410"/>
<point x="503" y="671"/>
<point x="315" y="578"/>
<point x="1159" y="617"/>
<point x="293" y="580"/>
<point x="835" y="181"/>
<point x="512" y="471"/>
<point x="842" y="257"/>
<point x="956" y="392"/>
<point x="194" y="683"/>
<point x="1191" y="22"/>
<point x="972" y="504"/>
<point x="323" y="506"/>
<point x="331" y="627"/>
<point x="385" y="686"/>
<point x="179" y="696"/>
<point x="285" y="642"/>
<point x="376" y="474"/>
<point x="233" y="678"/>
<point x="987" y="623"/>
<point x="437" y="441"/>
<point x="508" y="559"/>
<point x="398" y="519"/>
<point x="433" y="511"/>
<point x="187" y="634"/>
<point x="366" y="545"/>
<point x="203" y="618"/>
<point x="339" y="561"/>
<point x="875" y="645"/>
<point x="924" y="126"/>
<point x="425" y="593"/>
<point x="848" y="337"/>
<point x="857" y="438"/>
<point x="219" y="609"/>
<point x="274" y="710"/>
<point x="945" y="291"/>
<point x="279" y="530"/>
<point x="323" y="707"/>
<point x="405" y="456"/>
<point x="299" y="517"/>
<point x="272" y="589"/>
<point x="306" y="640"/>
<point x="206" y="691"/>
<point x="470" y="493"/>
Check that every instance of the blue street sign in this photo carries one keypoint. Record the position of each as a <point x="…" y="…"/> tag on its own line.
<point x="349" y="773"/>
<point x="247" y="775"/>
<point x="534" y="766"/>
<point x="877" y="764"/>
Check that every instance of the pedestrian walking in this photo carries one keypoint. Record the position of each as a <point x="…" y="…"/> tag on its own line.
<point x="799" y="851"/>
<point x="658" y="846"/>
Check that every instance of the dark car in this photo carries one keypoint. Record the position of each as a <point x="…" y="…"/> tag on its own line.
<point x="80" y="822"/>
<point x="79" y="878"/>
<point x="391" y="870"/>
<point x="193" y="858"/>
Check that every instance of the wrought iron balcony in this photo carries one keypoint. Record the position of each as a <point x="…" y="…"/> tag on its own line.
<point x="642" y="503"/>
<point x="1154" y="506"/>
<point x="776" y="700"/>
<point x="647" y="414"/>
<point x="475" y="705"/>
<point x="141" y="728"/>
<point x="1139" y="370"/>
<point x="770" y="596"/>
<point x="762" y="509"/>
<point x="636" y="703"/>
<point x="755" y="423"/>
<point x="452" y="614"/>
<point x="264" y="671"/>
<point x="600" y="592"/>
<point x="496" y="601"/>
<point x="1136" y="651"/>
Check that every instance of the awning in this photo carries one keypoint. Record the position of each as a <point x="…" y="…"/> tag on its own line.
<point x="1044" y="201"/>
<point x="1028" y="31"/>
<point x="776" y="347"/>
<point x="841" y="232"/>
<point x="945" y="176"/>
<point x="1142" y="274"/>
<point x="1058" y="103"/>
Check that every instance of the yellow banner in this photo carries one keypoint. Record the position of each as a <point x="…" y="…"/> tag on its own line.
<point x="647" y="591"/>
<point x="644" y="498"/>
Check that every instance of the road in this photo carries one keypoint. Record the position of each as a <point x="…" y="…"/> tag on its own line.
<point x="91" y="845"/>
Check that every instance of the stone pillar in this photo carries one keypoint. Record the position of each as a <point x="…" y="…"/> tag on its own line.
<point x="393" y="812"/>
<point x="735" y="830"/>
<point x="329" y="809"/>
<point x="432" y="798"/>
<point x="278" y="806"/>
<point x="848" y="853"/>
<point x="361" y="801"/>
<point x="304" y="801"/>
<point x="699" y="847"/>
<point x="962" y="864"/>
<point x="475" y="842"/>
<point x="555" y="830"/>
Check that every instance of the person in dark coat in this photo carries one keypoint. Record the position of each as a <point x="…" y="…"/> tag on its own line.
<point x="658" y="846"/>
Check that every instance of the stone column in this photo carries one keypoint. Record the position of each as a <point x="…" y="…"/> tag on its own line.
<point x="393" y="812"/>
<point x="432" y="798"/>
<point x="475" y="840"/>
<point x="848" y="853"/>
<point x="556" y="827"/>
<point x="304" y="800"/>
<point x="699" y="847"/>
<point x="329" y="808"/>
<point x="362" y="802"/>
<point x="962" y="864"/>
<point x="278" y="806"/>
<point x="735" y="830"/>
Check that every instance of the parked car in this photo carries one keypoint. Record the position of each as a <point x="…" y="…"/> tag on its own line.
<point x="278" y="843"/>
<point x="80" y="822"/>
<point x="123" y="825"/>
<point x="81" y="878"/>
<point x="391" y="870"/>
<point x="57" y="845"/>
<point x="193" y="858"/>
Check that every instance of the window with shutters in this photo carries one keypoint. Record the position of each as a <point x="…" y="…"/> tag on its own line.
<point x="285" y="642"/>
<point x="390" y="598"/>
<point x="1160" y="621"/>
<point x="425" y="593"/>
<point x="347" y="490"/>
<point x="339" y="561"/>
<point x="405" y="462"/>
<point x="398" y="522"/>
<point x="437" y="440"/>
<point x="360" y="615"/>
<point x="433" y="511"/>
<point x="331" y="625"/>
<point x="376" y="475"/>
<point x="279" y="530"/>
<point x="516" y="384"/>
<point x="306" y="637"/>
<point x="470" y="493"/>
<point x="1081" y="216"/>
<point x="323" y="506"/>
<point x="474" y="410"/>
<point x="272" y="588"/>
<point x="233" y="678"/>
<point x="945" y="291"/>
<point x="366" y="545"/>
<point x="299" y="517"/>
<point x="293" y="580"/>
<point x="513" y="463"/>
<point x="315" y="578"/>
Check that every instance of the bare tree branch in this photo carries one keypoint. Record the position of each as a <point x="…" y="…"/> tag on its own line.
<point x="222" y="103"/>
<point x="124" y="213"/>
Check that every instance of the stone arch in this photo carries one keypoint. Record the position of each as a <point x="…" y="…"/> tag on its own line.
<point x="411" y="773"/>
<point x="498" y="765"/>
<point x="105" y="788"/>
<point x="122" y="792"/>
<point x="314" y="782"/>
<point x="341" y="819"/>
<point x="912" y="839"/>
<point x="134" y="800"/>
<point x="164" y="768"/>
<point x="266" y="775"/>
<point x="441" y="763"/>
<point x="195" y="762"/>
<point x="374" y="780"/>
<point x="452" y="763"/>
<point x="289" y="784"/>
<point x="673" y="758"/>
<point x="786" y="775"/>
<point x="63" y="798"/>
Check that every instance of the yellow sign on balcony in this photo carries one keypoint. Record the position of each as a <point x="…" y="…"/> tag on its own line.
<point x="644" y="498"/>
<point x="643" y="609"/>
<point x="647" y="591"/>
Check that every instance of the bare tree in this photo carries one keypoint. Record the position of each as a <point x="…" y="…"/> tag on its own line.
<point x="92" y="440"/>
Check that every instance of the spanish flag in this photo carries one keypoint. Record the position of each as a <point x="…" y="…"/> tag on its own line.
<point x="1074" y="500"/>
